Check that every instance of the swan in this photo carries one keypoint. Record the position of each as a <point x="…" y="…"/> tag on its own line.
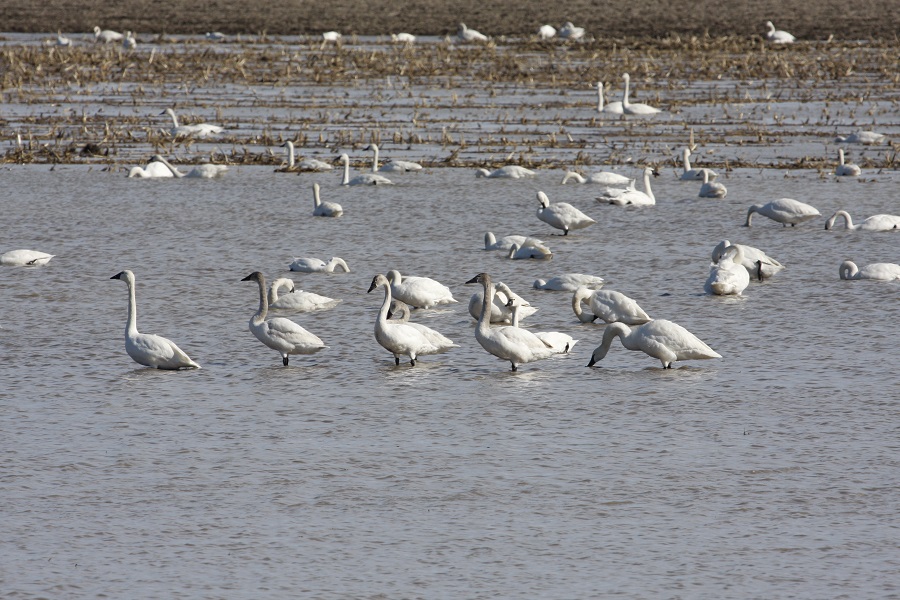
<point x="507" y="172"/>
<point x="403" y="38"/>
<point x="846" y="169"/>
<point x="690" y="174"/>
<point x="199" y="130"/>
<point x="394" y="166"/>
<point x="464" y="34"/>
<point x="784" y="210"/>
<point x="421" y="292"/>
<point x="506" y="242"/>
<point x="659" y="338"/>
<point x="877" y="271"/>
<point x="776" y="36"/>
<point x="215" y="36"/>
<point x="609" y="306"/>
<point x="711" y="189"/>
<point x="861" y="137"/>
<point x="331" y="36"/>
<point x="25" y="258"/>
<point x="728" y="276"/>
<point x="561" y="215"/>
<point x="62" y="40"/>
<point x="307" y="164"/>
<point x="571" y="32"/>
<point x="297" y="300"/>
<point x="106" y="36"/>
<point x="631" y="195"/>
<point x="205" y="171"/>
<point x="129" y="42"/>
<point x="145" y="348"/>
<point x="317" y="265"/>
<point x="613" y="108"/>
<point x="524" y="252"/>
<point x="569" y="282"/>
<point x="557" y="341"/>
<point x="602" y="177"/>
<point x="279" y="333"/>
<point x="500" y="309"/>
<point x="873" y="223"/>
<point x="401" y="309"/>
<point x="324" y="209"/>
<point x="363" y="179"/>
<point x="153" y="170"/>
<point x="514" y="344"/>
<point x="401" y="338"/>
<point x="758" y="264"/>
<point x="547" y="32"/>
<point x="637" y="108"/>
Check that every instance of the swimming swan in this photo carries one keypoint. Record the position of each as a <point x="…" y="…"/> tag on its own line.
<point x="784" y="210"/>
<point x="776" y="36"/>
<point x="876" y="271"/>
<point x="307" y="164"/>
<point x="873" y="223"/>
<point x="363" y="179"/>
<point x="205" y="171"/>
<point x="297" y="300"/>
<point x="106" y="36"/>
<point x="638" y="108"/>
<point x="609" y="306"/>
<point x="631" y="195"/>
<point x="145" y="348"/>
<point x="464" y="34"/>
<point x="199" y="130"/>
<point x="500" y="308"/>
<point x="613" y="108"/>
<point x="529" y="252"/>
<point x="153" y="170"/>
<point x="279" y="333"/>
<point x="711" y="189"/>
<point x="728" y="276"/>
<point x="557" y="341"/>
<point x="25" y="258"/>
<point x="324" y="209"/>
<point x="506" y="242"/>
<point x="846" y="169"/>
<point x="690" y="174"/>
<point x="561" y="215"/>
<point x="569" y="282"/>
<point x="602" y="177"/>
<point x="514" y="344"/>
<point x="421" y="292"/>
<point x="507" y="172"/>
<point x="317" y="265"/>
<point x="758" y="264"/>
<point x="659" y="338"/>
<point x="394" y="166"/>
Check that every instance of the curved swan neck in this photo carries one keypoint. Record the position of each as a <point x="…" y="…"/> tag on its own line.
<point x="174" y="118"/>
<point x="386" y="305"/>
<point x="848" y="222"/>
<point x="260" y="315"/>
<point x="848" y="269"/>
<point x="572" y="175"/>
<point x="169" y="165"/>
<point x="685" y="154"/>
<point x="489" y="240"/>
<point x="750" y="212"/>
<point x="578" y="297"/>
<point x="337" y="262"/>
<point x="484" y="320"/>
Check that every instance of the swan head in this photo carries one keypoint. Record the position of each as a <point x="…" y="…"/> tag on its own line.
<point x="482" y="278"/>
<point x="626" y="76"/>
<point x="770" y="26"/>
<point x="379" y="280"/>
<point x="289" y="145"/>
<point x="125" y="275"/>
<point x="543" y="199"/>
<point x="612" y="330"/>
<point x="343" y="158"/>
<point x="255" y="276"/>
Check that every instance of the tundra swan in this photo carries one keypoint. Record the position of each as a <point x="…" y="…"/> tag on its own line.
<point x="306" y="164"/>
<point x="506" y="342"/>
<point x="506" y="242"/>
<point x="394" y="166"/>
<point x="403" y="38"/>
<point x="602" y="177"/>
<point x="877" y="271"/>
<point x="659" y="338"/>
<point x="324" y="209"/>
<point x="613" y="108"/>
<point x="507" y="172"/>
<point x="25" y="258"/>
<point x="527" y="252"/>
<point x="728" y="276"/>
<point x="631" y="195"/>
<point x="569" y="282"/>
<point x="561" y="215"/>
<point x="205" y="171"/>
<point x="570" y="32"/>
<point x="153" y="170"/>
<point x="279" y="333"/>
<point x="106" y="36"/>
<point x="861" y="137"/>
<point x="609" y="306"/>
<point x="711" y="189"/>
<point x="690" y="174"/>
<point x="297" y="300"/>
<point x="363" y="179"/>
<point x="557" y="341"/>
<point x="421" y="292"/>
<point x="62" y="40"/>
<point x="636" y="108"/>
<point x="317" y="265"/>
<point x="758" y="264"/>
<point x="145" y="348"/>
<point x="846" y="169"/>
<point x="873" y="223"/>
<point x="201" y="130"/>
<point x="331" y="36"/>
<point x="776" y="36"/>
<point x="464" y="34"/>
<point x="215" y="36"/>
<point x="500" y="309"/>
<point x="547" y="32"/>
<point x="402" y="313"/>
<point x="784" y="210"/>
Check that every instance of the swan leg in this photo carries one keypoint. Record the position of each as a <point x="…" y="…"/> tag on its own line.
<point x="514" y="367"/>
<point x="412" y="362"/>
<point x="284" y="360"/>
<point x="396" y="360"/>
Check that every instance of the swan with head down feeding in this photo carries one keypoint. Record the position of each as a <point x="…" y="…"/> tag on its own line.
<point x="205" y="171"/>
<point x="561" y="215"/>
<point x="297" y="300"/>
<point x="601" y="177"/>
<point x="508" y="241"/>
<point x="362" y="179"/>
<point x="868" y="138"/>
<point x="661" y="339"/>
<point x="609" y="306"/>
<point x="153" y="170"/>
<point x="500" y="308"/>
<point x="631" y="196"/>
<point x="394" y="166"/>
<point x="728" y="276"/>
<point x="846" y="169"/>
<point x="569" y="282"/>
<point x="308" y="264"/>
<point x="420" y="292"/>
<point x="785" y="211"/>
<point x="324" y="209"/>
<point x="464" y="34"/>
<point x="875" y="271"/>
<point x="507" y="172"/>
<point x="758" y="264"/>
<point x="637" y="108"/>
<point x="200" y="130"/>
<point x="25" y="258"/>
<point x="873" y="223"/>
<point x="529" y="252"/>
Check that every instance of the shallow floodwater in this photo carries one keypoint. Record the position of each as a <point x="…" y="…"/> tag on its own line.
<point x="771" y="472"/>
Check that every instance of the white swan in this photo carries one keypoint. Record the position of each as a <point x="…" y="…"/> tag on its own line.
<point x="62" y="40"/>
<point x="403" y="38"/>
<point x="464" y="34"/>
<point x="500" y="308"/>
<point x="153" y="170"/>
<point x="784" y="210"/>
<point x="317" y="265"/>
<point x="561" y="215"/>
<point x="546" y="32"/>
<point x="394" y="166"/>
<point x="776" y="36"/>
<point x="569" y="282"/>
<point x="306" y="164"/>
<point x="846" y="169"/>
<point x="635" y="108"/>
<point x="401" y="313"/>
<point x="421" y="292"/>
<point x="324" y="209"/>
<point x="514" y="344"/>
<point x="205" y="171"/>
<point x="145" y="348"/>
<point x="363" y="179"/>
<point x="215" y="36"/>
<point x="529" y="252"/>
<point x="862" y="137"/>
<point x="613" y="108"/>
<point x="331" y="36"/>
<point x="609" y="306"/>
<point x="106" y="36"/>
<point x="631" y="196"/>
<point x="659" y="338"/>
<point x="570" y="32"/>
<point x="877" y="271"/>
<point x="557" y="341"/>
<point x="279" y="333"/>
<point x="297" y="300"/>
<point x="601" y="177"/>
<point x="129" y="42"/>
<point x="758" y="264"/>
<point x="25" y="258"/>
<point x="711" y="189"/>
<point x="873" y="223"/>
<point x="506" y="242"/>
<point x="507" y="172"/>
<point x="200" y="130"/>
<point x="690" y="174"/>
<point x="728" y="276"/>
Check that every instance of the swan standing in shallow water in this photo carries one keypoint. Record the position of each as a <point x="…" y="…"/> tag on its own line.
<point x="500" y="308"/>
<point x="659" y="338"/>
<point x="25" y="258"/>
<point x="561" y="215"/>
<point x="846" y="169"/>
<point x="145" y="348"/>
<point x="106" y="36"/>
<point x="609" y="306"/>
<point x="464" y="34"/>
<point x="317" y="265"/>
<point x="711" y="189"/>
<point x="637" y="108"/>
<point x="876" y="271"/>
<point x="507" y="172"/>
<point x="776" y="36"/>
<point x="728" y="276"/>
<point x="557" y="341"/>
<point x="394" y="166"/>
<point x="199" y="130"/>
<point x="205" y="171"/>
<point x="758" y="264"/>
<point x="613" y="108"/>
<point x="631" y="196"/>
<point x="873" y="223"/>
<point x="279" y="333"/>
<point x="569" y="282"/>
<point x="297" y="300"/>
<point x="421" y="292"/>
<point x="324" y="209"/>
<point x="514" y="344"/>
<point x="784" y="210"/>
<point x="602" y="177"/>
<point x="690" y="174"/>
<point x="363" y="179"/>
<point x="307" y="164"/>
<point x="506" y="242"/>
<point x="401" y="314"/>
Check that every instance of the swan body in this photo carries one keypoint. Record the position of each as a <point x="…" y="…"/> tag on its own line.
<point x="62" y="40"/>
<point x="527" y="252"/>
<point x="394" y="166"/>
<point x="547" y="32"/>
<point x="776" y="36"/>
<point x="728" y="276"/>
<point x="690" y="174"/>
<point x="507" y="172"/>
<point x="464" y="34"/>
<point x="571" y="32"/>
<point x="873" y="223"/>
<point x="506" y="242"/>
<point x="785" y="211"/>
<point x="402" y="314"/>
<point x="557" y="341"/>
<point x="403" y="38"/>
<point x="205" y="171"/>
<point x="507" y="342"/>
<point x="561" y="215"/>
<point x="324" y="209"/>
<point x="758" y="264"/>
<point x="145" y="348"/>
<point x="601" y="177"/>
<point x="215" y="36"/>
<point x="363" y="179"/>
<point x="279" y="333"/>
<point x="609" y="306"/>
<point x="106" y="36"/>
<point x="421" y="292"/>
<point x="500" y="308"/>
<point x="635" y="108"/>
<point x="711" y="189"/>
<point x="25" y="258"/>
<point x="317" y="265"/>
<point x="846" y="169"/>
<point x="331" y="36"/>
<point x="613" y="108"/>
<point x="569" y="282"/>
<point x="297" y="300"/>
<point x="153" y="170"/>
<point x="862" y="137"/>
<point x="877" y="271"/>
<point x="307" y="164"/>
<point x="200" y="130"/>
<point x="659" y="338"/>
<point x="631" y="196"/>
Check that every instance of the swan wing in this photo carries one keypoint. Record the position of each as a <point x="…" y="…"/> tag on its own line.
<point x="288" y="334"/>
<point x="22" y="258"/>
<point x="681" y="343"/>
<point x="156" y="351"/>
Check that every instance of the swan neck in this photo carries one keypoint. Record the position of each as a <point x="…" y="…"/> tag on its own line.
<point x="375" y="158"/>
<point x="385" y="306"/>
<point x="625" y="101"/>
<point x="647" y="189"/>
<point x="346" y="171"/>
<point x="579" y="295"/>
<point x="316" y="200"/>
<point x="290" y="153"/>
<point x="260" y="315"/>
<point x="687" y="160"/>
<point x="131" y="324"/>
<point x="174" y="118"/>
<point x="842" y="213"/>
<point x="600" y="97"/>
<point x="489" y="240"/>
<point x="484" y="319"/>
